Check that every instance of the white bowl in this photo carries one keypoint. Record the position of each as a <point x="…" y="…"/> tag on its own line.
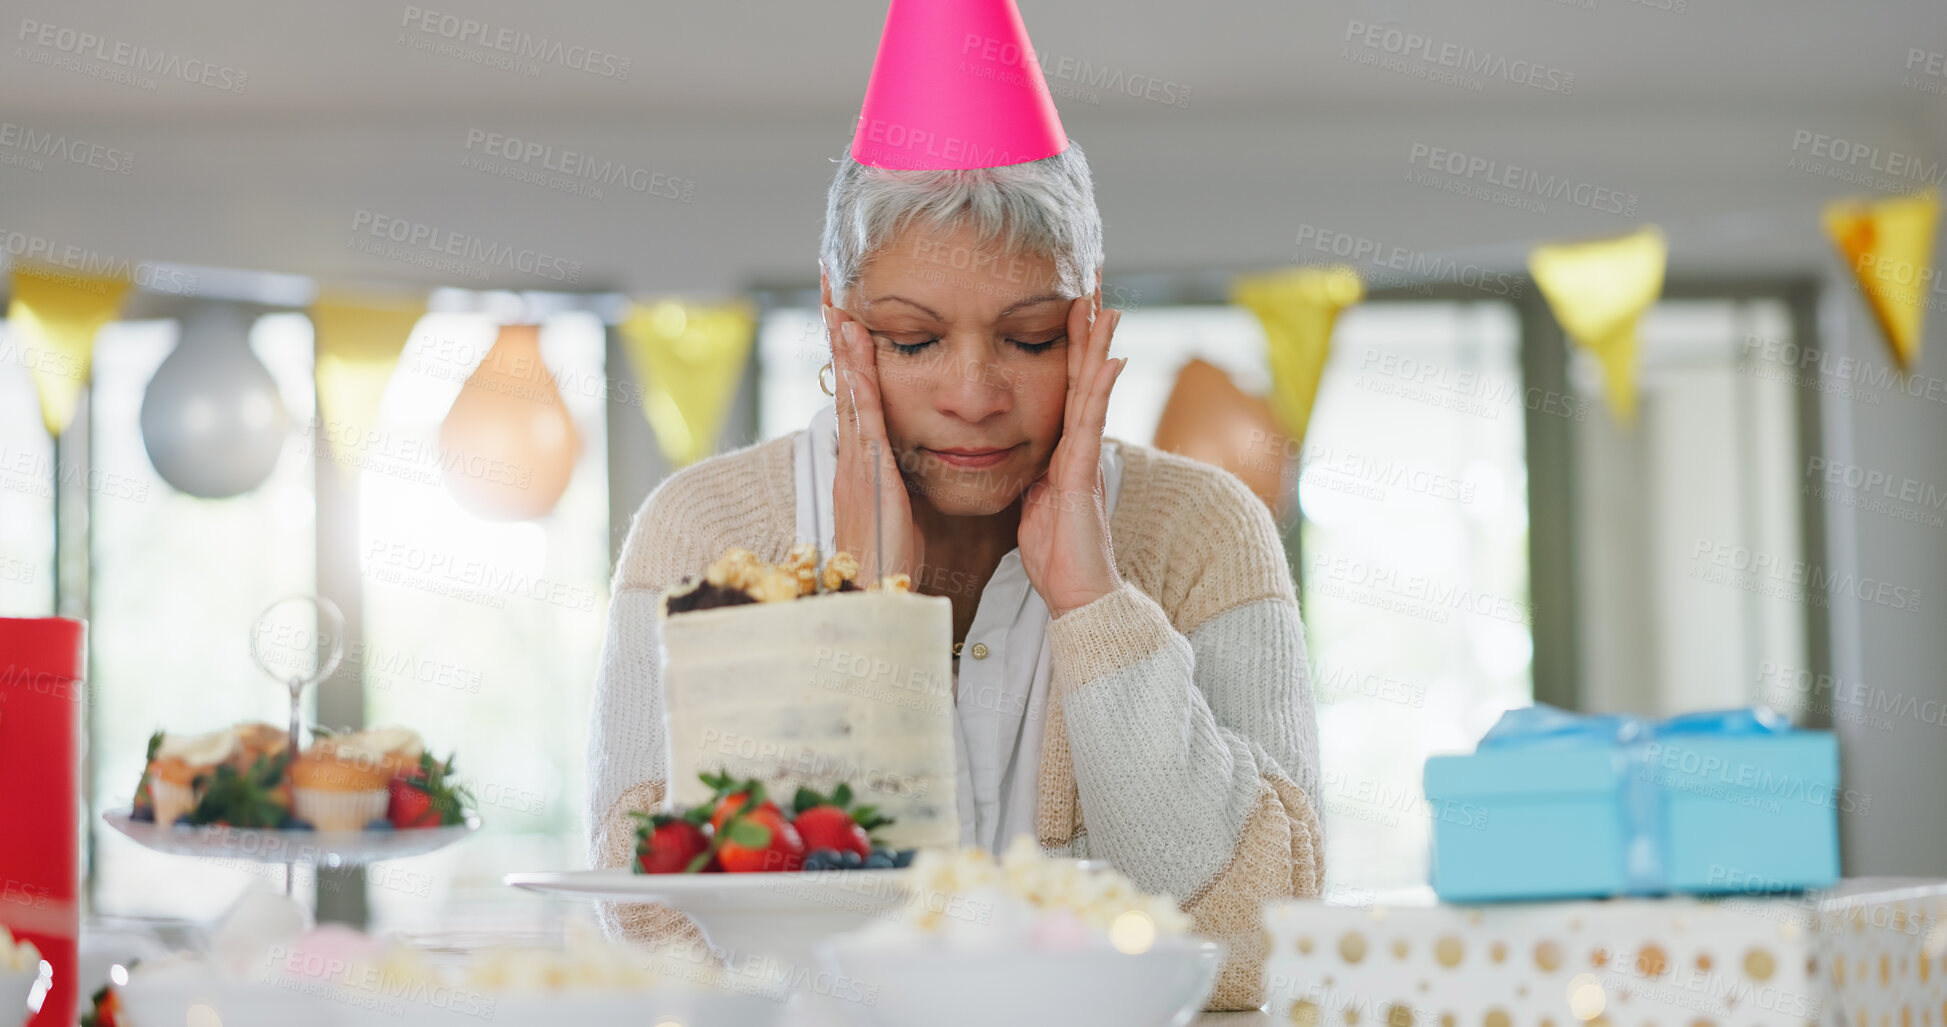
<point x="166" y="999"/>
<point x="751" y="918"/>
<point x="635" y="1010"/>
<point x="940" y="987"/>
<point x="16" y="988"/>
<point x="579" y="1009"/>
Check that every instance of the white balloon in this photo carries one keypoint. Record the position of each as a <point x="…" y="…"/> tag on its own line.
<point x="212" y="419"/>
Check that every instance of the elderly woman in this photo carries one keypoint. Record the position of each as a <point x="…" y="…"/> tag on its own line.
<point x="1130" y="672"/>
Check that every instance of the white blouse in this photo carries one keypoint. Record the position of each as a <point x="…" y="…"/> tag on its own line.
<point x="998" y="742"/>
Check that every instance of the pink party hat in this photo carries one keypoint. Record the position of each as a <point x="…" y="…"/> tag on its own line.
<point x="956" y="85"/>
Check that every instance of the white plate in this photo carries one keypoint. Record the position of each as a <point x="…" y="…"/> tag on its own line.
<point x="758" y="920"/>
<point x="264" y="845"/>
<point x="869" y="888"/>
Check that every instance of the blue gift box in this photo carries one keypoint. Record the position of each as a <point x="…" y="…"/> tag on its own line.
<point x="1556" y="805"/>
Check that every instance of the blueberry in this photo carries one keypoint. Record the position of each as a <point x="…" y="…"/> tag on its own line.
<point x="878" y="861"/>
<point x="143" y="815"/>
<point x="381" y="824"/>
<point x="183" y="823"/>
<point x="903" y="858"/>
<point x="850" y="860"/>
<point x="300" y="825"/>
<point x="816" y="861"/>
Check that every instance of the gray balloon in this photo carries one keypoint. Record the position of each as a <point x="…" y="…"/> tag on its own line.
<point x="212" y="420"/>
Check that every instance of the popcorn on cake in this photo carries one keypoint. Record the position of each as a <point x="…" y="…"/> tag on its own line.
<point x="740" y="576"/>
<point x="840" y="570"/>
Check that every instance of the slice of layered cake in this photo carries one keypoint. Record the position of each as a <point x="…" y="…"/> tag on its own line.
<point x="785" y="674"/>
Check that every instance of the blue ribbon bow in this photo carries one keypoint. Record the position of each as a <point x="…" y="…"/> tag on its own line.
<point x="1542" y="724"/>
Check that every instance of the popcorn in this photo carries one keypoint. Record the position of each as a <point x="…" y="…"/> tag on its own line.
<point x="736" y="568"/>
<point x="803" y="565"/>
<point x="587" y="963"/>
<point x="740" y="576"/>
<point x="968" y="899"/>
<point x="894" y="583"/>
<point x="17" y="957"/>
<point x="842" y="567"/>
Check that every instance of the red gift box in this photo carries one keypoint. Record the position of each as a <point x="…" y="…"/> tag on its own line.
<point x="43" y="672"/>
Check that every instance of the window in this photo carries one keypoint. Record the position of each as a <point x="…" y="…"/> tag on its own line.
<point x="26" y="489"/>
<point x="485" y="636"/>
<point x="1415" y="565"/>
<point x="1682" y="519"/>
<point x="177" y="583"/>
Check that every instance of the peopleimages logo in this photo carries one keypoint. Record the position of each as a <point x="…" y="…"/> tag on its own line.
<point x="1844" y="699"/>
<point x="992" y="57"/>
<point x="1411" y="46"/>
<point x="1725" y="563"/>
<point x="60" y="148"/>
<point x="577" y="172"/>
<point x="1523" y="182"/>
<point x="1413" y="268"/>
<point x="515" y="43"/>
<point x="56" y="40"/>
<point x="420" y="243"/>
<point x="1890" y="171"/>
<point x="84" y="269"/>
<point x="1710" y="775"/>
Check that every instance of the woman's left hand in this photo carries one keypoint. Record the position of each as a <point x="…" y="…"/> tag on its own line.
<point x="1064" y="533"/>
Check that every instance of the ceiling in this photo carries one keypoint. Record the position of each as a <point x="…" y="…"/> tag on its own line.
<point x="1298" y="121"/>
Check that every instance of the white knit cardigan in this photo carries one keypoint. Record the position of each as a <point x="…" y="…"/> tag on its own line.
<point x="1179" y="743"/>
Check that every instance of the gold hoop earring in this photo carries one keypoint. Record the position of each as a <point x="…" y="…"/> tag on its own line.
<point x="827" y="390"/>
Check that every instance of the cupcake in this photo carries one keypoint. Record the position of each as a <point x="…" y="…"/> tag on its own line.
<point x="337" y="791"/>
<point x="181" y="766"/>
<point x="342" y="782"/>
<point x="256" y="739"/>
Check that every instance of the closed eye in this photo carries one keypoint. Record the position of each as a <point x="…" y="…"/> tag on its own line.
<point x="911" y="348"/>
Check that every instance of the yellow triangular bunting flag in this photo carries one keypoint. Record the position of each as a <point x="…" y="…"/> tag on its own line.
<point x="358" y="343"/>
<point x="689" y="358"/>
<point x="1888" y="244"/>
<point x="55" y="314"/>
<point x="1598" y="291"/>
<point x="1298" y="307"/>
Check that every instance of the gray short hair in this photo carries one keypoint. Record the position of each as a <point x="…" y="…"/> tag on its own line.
<point x="1045" y="207"/>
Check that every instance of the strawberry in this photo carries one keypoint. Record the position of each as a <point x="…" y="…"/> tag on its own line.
<point x="760" y="840"/>
<point x="730" y="805"/>
<point x="409" y="806"/>
<point x="105" y="1008"/>
<point x="667" y="844"/>
<point x="730" y="795"/>
<point x="144" y="805"/>
<point x="426" y="797"/>
<point x="829" y="827"/>
<point x="831" y="816"/>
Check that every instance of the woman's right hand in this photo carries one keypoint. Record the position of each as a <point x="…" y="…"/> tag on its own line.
<point x="861" y="424"/>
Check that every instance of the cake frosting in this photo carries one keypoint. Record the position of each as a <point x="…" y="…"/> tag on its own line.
<point x="852" y="686"/>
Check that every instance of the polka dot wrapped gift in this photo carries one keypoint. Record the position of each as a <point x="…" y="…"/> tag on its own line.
<point x="1855" y="957"/>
